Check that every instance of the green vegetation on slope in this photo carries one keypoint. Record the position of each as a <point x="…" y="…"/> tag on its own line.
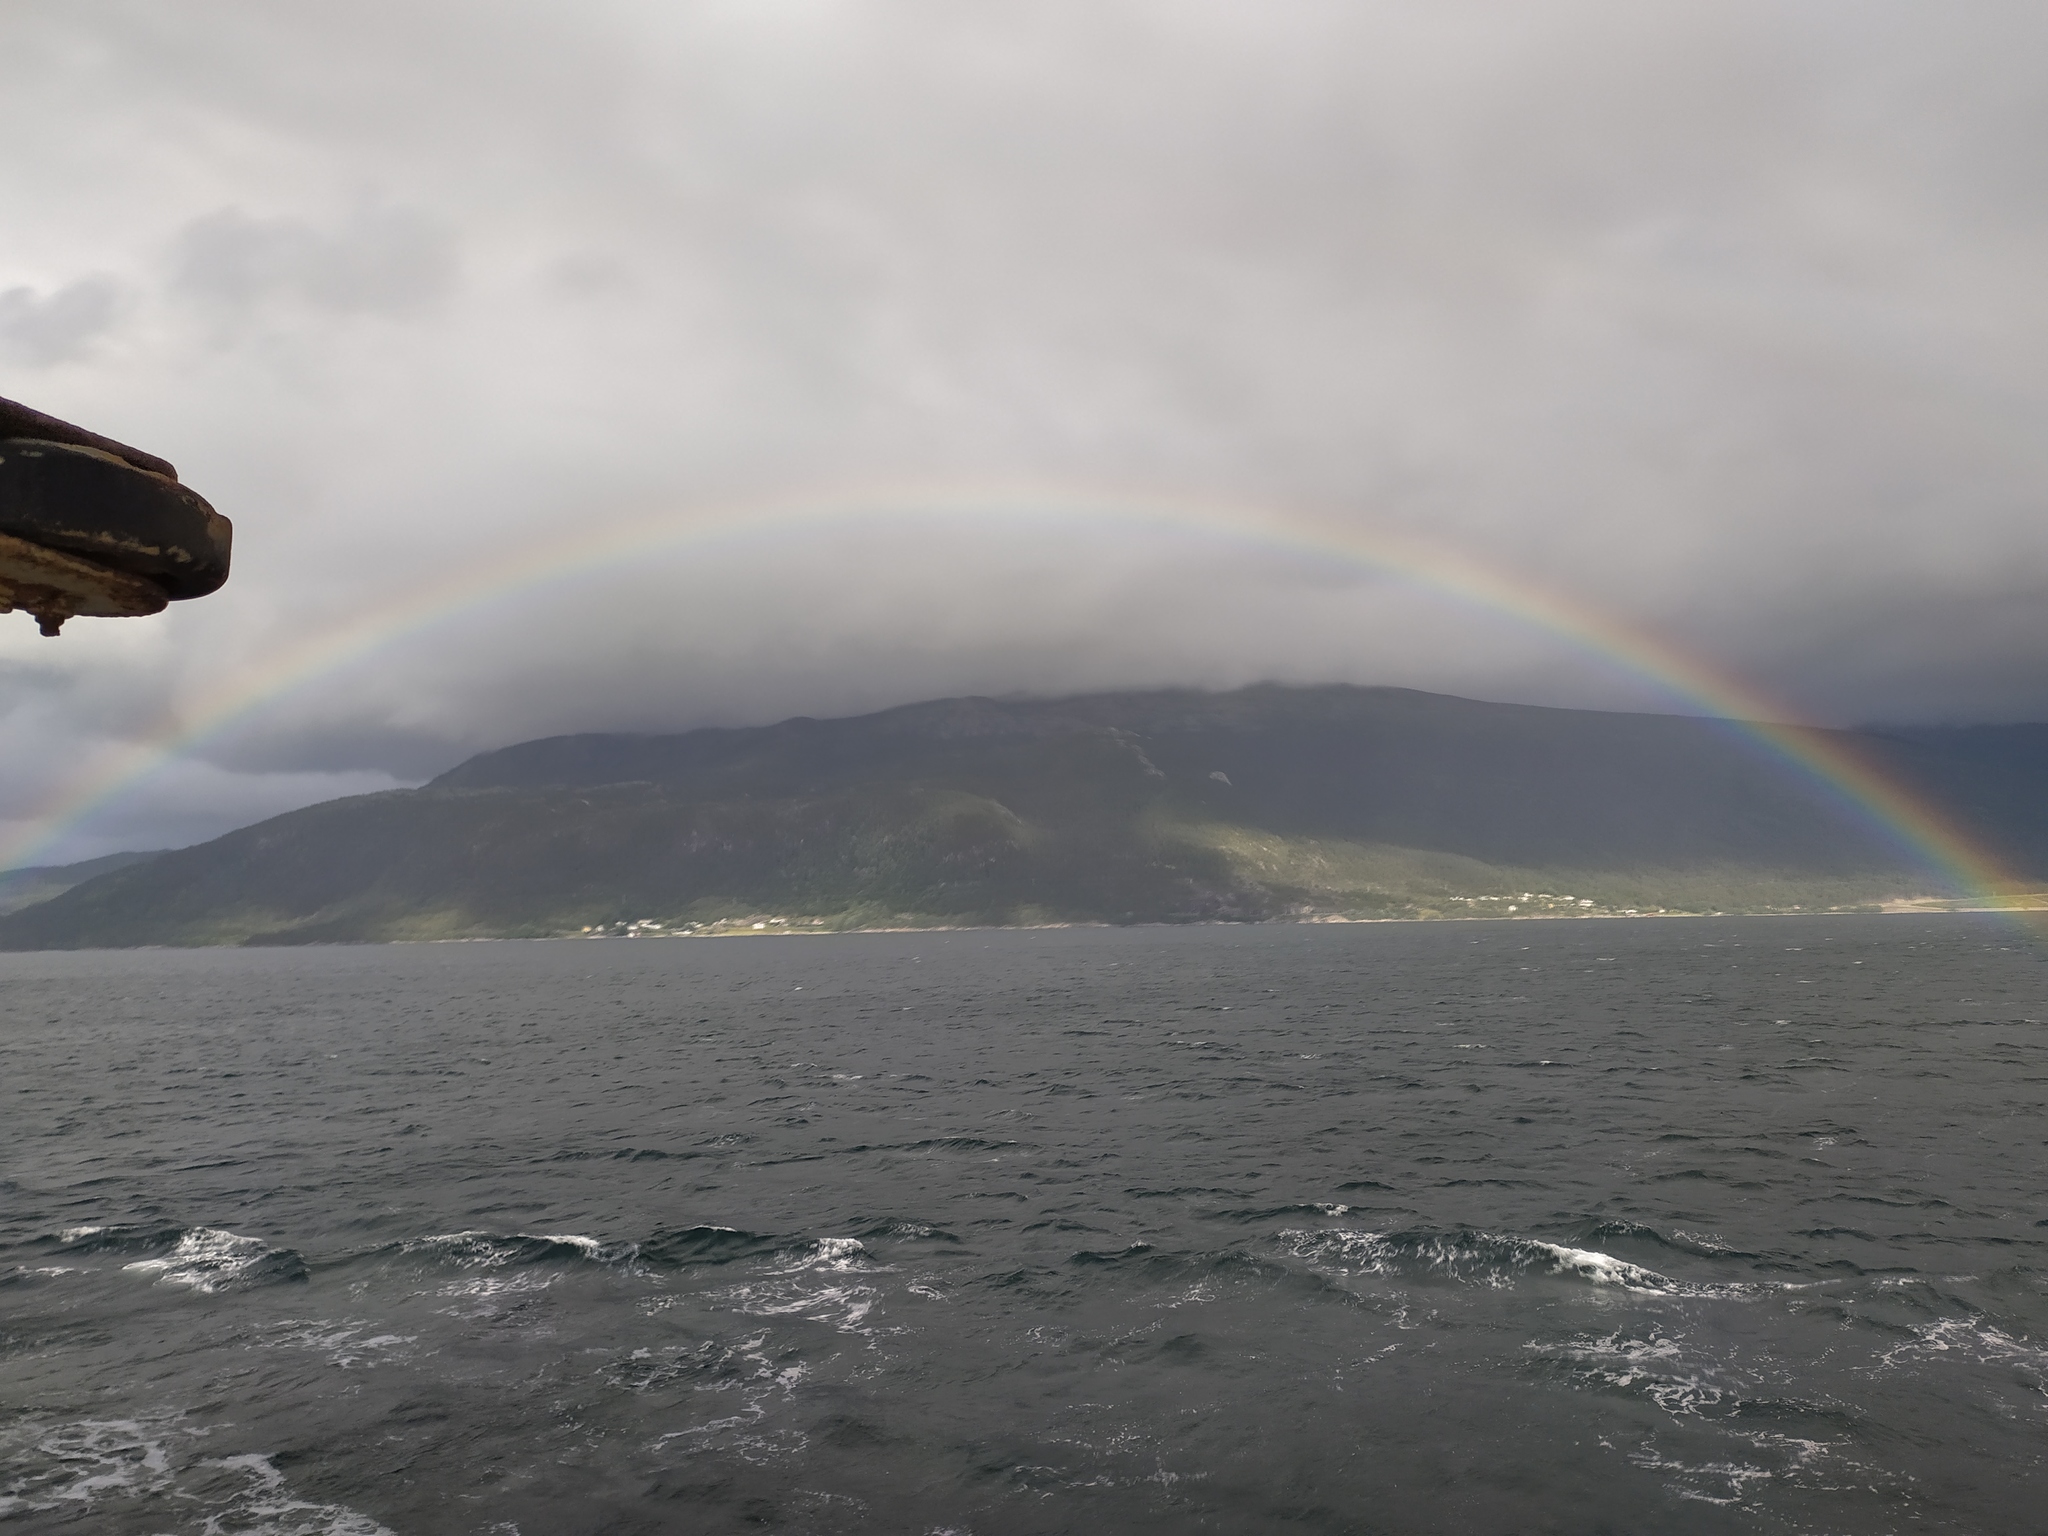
<point x="38" y="883"/>
<point x="1301" y="804"/>
<point x="455" y="864"/>
<point x="1333" y="878"/>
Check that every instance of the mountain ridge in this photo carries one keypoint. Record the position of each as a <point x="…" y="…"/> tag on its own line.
<point x="34" y="883"/>
<point x="1156" y="805"/>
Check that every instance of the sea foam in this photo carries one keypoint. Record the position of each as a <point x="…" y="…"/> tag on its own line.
<point x="208" y="1258"/>
<point x="1477" y="1258"/>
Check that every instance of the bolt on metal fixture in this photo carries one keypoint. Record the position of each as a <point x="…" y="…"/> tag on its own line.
<point x="91" y="528"/>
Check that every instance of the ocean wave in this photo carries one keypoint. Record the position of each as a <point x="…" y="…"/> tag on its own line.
<point x="745" y="1365"/>
<point x="346" y="1344"/>
<point x="666" y="1248"/>
<point x="1191" y="1275"/>
<point x="1657" y="1365"/>
<point x="1120" y="1255"/>
<point x="97" y="1468"/>
<point x="932" y="1144"/>
<point x="26" y="1272"/>
<point x="211" y="1258"/>
<point x="1478" y="1258"/>
<point x="908" y="1231"/>
<point x="115" y="1237"/>
<point x="1701" y="1245"/>
<point x="1259" y="1214"/>
<point x="844" y="1307"/>
<point x="1722" y="1407"/>
<point x="790" y="1285"/>
<point x="1975" y="1340"/>
<point x="491" y="1295"/>
<point x="265" y="1504"/>
<point x="679" y="1247"/>
<point x="77" y="1465"/>
<point x="1729" y="1479"/>
<point x="835" y="1253"/>
<point x="496" y="1250"/>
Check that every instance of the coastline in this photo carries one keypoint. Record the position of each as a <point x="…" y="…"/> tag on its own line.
<point x="1927" y="906"/>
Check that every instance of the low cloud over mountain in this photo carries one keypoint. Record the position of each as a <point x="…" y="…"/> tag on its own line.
<point x="1720" y="320"/>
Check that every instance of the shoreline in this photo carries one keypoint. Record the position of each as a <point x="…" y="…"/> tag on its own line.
<point x="1896" y="909"/>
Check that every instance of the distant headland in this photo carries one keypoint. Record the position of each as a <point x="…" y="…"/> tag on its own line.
<point x="1269" y="803"/>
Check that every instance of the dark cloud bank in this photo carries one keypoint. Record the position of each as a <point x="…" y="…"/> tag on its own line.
<point x="1723" y="319"/>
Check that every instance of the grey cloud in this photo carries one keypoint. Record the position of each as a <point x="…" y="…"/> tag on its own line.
<point x="1723" y="320"/>
<point x="39" y="330"/>
<point x="192" y="802"/>
<point x="381" y="261"/>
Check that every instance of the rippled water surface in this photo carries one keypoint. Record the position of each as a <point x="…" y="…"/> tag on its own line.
<point x="1653" y="1226"/>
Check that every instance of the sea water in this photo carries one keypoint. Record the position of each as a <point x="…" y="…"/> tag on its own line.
<point x="1575" y="1226"/>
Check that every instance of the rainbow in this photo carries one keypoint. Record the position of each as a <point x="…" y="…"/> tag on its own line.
<point x="1922" y="830"/>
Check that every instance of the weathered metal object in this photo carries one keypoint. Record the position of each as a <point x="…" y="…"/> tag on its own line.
<point x="92" y="505"/>
<point x="55" y="587"/>
<point x="18" y="420"/>
<point x="93" y="528"/>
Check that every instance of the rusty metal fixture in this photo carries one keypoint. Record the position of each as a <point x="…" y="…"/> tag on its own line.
<point x="91" y="528"/>
<point x="54" y="587"/>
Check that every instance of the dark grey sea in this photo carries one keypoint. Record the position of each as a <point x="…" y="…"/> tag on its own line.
<point x="1546" y="1226"/>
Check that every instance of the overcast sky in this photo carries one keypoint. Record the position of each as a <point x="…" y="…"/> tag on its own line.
<point x="1723" y="318"/>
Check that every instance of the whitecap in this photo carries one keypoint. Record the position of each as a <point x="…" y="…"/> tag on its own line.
<point x="841" y="1254"/>
<point x="493" y="1250"/>
<point x="1351" y="1249"/>
<point x="1777" y="1457"/>
<point x="482" y="1250"/>
<point x="1973" y="1339"/>
<point x="206" y="1258"/>
<point x="1496" y="1260"/>
<point x="347" y="1345"/>
<point x="791" y="1291"/>
<point x="844" y="1307"/>
<point x="1713" y="1482"/>
<point x="266" y="1507"/>
<point x="88" y="1470"/>
<point x="1657" y="1365"/>
<point x="742" y="1368"/>
<point x="1605" y="1269"/>
<point x="838" y="1252"/>
<point x="489" y="1295"/>
<point x="77" y="1465"/>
